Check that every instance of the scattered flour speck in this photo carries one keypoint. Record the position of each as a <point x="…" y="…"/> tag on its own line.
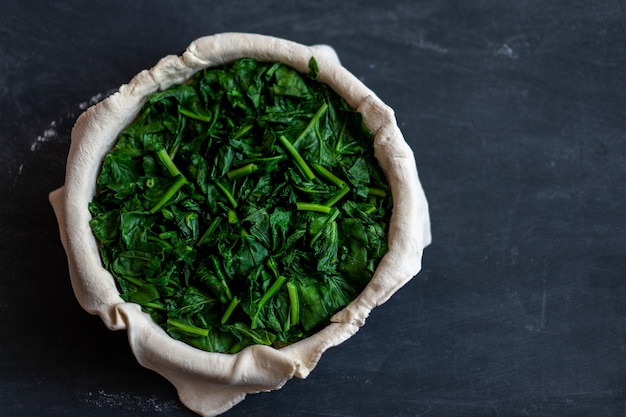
<point x="50" y="133"/>
<point x="93" y="100"/>
<point x="103" y="399"/>
<point x="507" y="51"/>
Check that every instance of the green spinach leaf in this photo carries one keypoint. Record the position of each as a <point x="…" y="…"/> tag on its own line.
<point x="242" y="207"/>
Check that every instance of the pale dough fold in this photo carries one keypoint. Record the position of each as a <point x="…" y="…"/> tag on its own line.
<point x="211" y="383"/>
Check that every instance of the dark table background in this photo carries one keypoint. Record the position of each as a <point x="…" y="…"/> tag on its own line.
<point x="516" y="111"/>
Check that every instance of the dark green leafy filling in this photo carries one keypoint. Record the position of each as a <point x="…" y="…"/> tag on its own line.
<point x="243" y="207"/>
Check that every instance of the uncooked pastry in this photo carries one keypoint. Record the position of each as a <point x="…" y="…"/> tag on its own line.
<point x="211" y="383"/>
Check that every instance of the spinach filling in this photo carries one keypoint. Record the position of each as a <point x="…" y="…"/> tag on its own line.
<point x="243" y="207"/>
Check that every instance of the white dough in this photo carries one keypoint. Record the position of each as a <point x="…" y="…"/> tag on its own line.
<point x="211" y="383"/>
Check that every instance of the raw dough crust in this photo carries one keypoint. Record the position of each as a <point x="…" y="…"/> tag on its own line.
<point x="211" y="383"/>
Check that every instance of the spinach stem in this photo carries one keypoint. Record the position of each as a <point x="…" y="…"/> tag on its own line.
<point x="379" y="192"/>
<point x="161" y="240"/>
<point x="370" y="210"/>
<point x="232" y="217"/>
<point x="326" y="174"/>
<point x="314" y="120"/>
<point x="231" y="307"/>
<point x="273" y="289"/>
<point x="242" y="171"/>
<point x="167" y="161"/>
<point x="167" y="235"/>
<point x="156" y="306"/>
<point x="235" y="348"/>
<point x="294" y="303"/>
<point x="187" y="328"/>
<point x="268" y="158"/>
<point x="180" y="181"/>
<point x="196" y="116"/>
<point x="135" y="281"/>
<point x="310" y="190"/>
<point x="134" y="254"/>
<point x="299" y="161"/>
<point x="332" y="218"/>
<point x="179" y="138"/>
<point x="242" y="132"/>
<point x="333" y="230"/>
<point x="216" y="113"/>
<point x="227" y="193"/>
<point x="209" y="231"/>
<point x="173" y="152"/>
<point x="331" y="202"/>
<point x="272" y="266"/>
<point x="313" y="207"/>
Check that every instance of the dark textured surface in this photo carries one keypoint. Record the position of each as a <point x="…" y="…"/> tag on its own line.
<point x="516" y="113"/>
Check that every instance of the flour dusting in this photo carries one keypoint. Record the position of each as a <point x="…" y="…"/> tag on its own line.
<point x="93" y="100"/>
<point x="422" y="43"/>
<point x="507" y="51"/>
<point x="103" y="399"/>
<point x="51" y="133"/>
